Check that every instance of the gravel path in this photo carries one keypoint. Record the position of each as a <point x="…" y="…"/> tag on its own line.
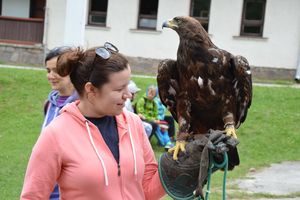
<point x="278" y="179"/>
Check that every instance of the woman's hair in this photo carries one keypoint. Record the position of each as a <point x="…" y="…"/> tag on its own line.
<point x="86" y="66"/>
<point x="57" y="51"/>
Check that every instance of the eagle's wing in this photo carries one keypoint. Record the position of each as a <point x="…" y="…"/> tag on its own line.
<point x="168" y="87"/>
<point x="243" y="87"/>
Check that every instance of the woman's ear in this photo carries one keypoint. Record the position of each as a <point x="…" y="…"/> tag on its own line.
<point x="90" y="90"/>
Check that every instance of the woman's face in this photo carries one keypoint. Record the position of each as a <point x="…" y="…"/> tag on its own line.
<point x="57" y="82"/>
<point x="110" y="98"/>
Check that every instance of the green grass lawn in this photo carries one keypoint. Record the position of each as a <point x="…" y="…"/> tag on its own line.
<point x="269" y="135"/>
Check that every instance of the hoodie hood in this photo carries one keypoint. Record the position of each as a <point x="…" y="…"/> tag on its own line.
<point x="52" y="109"/>
<point x="72" y="109"/>
<point x="53" y="96"/>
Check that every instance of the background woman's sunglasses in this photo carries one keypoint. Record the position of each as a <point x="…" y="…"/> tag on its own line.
<point x="105" y="51"/>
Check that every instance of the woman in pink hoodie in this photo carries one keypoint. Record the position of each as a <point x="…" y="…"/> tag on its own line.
<point x="94" y="149"/>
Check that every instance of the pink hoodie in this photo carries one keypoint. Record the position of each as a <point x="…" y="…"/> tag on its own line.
<point x="72" y="152"/>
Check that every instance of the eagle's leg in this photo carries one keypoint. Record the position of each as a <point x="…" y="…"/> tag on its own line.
<point x="229" y="125"/>
<point x="180" y="143"/>
<point x="183" y="113"/>
<point x="179" y="146"/>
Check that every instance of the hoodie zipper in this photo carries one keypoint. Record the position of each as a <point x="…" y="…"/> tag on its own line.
<point x="119" y="169"/>
<point x="119" y="173"/>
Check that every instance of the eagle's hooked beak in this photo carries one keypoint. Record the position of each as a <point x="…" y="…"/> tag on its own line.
<point x="169" y="24"/>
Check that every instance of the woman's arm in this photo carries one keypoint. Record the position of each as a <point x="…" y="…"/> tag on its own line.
<point x="153" y="188"/>
<point x="43" y="168"/>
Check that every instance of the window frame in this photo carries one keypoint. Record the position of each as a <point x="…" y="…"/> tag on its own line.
<point x="202" y="20"/>
<point x="145" y="16"/>
<point x="253" y="23"/>
<point x="96" y="13"/>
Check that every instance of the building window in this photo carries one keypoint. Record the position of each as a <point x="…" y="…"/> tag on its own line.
<point x="253" y="18"/>
<point x="37" y="9"/>
<point x="200" y="11"/>
<point x="97" y="12"/>
<point x="148" y="14"/>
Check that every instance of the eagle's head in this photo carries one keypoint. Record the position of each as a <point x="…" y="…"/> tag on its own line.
<point x="186" y="27"/>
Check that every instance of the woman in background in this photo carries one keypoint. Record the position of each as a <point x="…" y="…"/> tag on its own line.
<point x="63" y="92"/>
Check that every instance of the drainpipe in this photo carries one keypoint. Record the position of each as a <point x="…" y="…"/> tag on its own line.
<point x="297" y="76"/>
<point x="45" y="36"/>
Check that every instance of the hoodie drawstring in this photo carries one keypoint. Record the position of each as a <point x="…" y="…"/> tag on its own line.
<point x="98" y="155"/>
<point x="133" y="150"/>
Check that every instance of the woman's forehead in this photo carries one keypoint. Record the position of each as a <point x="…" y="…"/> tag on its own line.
<point x="120" y="78"/>
<point x="51" y="63"/>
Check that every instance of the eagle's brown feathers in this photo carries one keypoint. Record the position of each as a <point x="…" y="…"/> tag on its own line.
<point x="206" y="87"/>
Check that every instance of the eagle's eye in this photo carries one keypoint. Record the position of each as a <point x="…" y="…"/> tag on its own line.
<point x="177" y="20"/>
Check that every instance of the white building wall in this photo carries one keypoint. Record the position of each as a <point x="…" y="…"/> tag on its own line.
<point x="122" y="29"/>
<point x="16" y="8"/>
<point x="279" y="47"/>
<point x="282" y="27"/>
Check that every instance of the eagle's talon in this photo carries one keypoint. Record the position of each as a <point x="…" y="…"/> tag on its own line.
<point x="179" y="146"/>
<point x="230" y="131"/>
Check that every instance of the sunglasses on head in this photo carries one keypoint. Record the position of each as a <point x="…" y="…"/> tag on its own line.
<point x="105" y="51"/>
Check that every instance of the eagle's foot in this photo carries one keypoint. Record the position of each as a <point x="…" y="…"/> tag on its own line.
<point x="230" y="131"/>
<point x="179" y="146"/>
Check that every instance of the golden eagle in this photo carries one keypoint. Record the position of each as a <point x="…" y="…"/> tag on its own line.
<point x="206" y="87"/>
